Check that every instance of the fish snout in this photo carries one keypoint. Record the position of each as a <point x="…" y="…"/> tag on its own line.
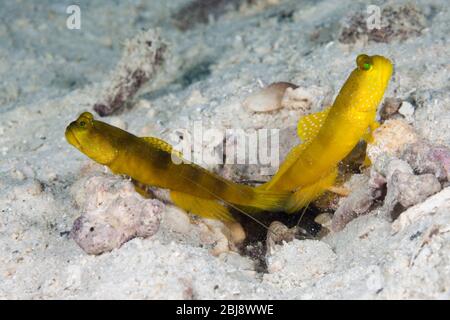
<point x="70" y="136"/>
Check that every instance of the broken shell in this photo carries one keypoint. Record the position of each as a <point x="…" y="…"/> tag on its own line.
<point x="268" y="98"/>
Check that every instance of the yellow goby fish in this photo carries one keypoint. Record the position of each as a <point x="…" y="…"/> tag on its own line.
<point x="150" y="161"/>
<point x="330" y="135"/>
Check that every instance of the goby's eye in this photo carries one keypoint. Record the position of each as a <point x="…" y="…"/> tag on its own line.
<point x="364" y="62"/>
<point x="82" y="124"/>
<point x="87" y="115"/>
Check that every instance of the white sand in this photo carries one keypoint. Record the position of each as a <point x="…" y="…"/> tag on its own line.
<point x="50" y="74"/>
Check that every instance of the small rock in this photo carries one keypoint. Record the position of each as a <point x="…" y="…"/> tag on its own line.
<point x="439" y="201"/>
<point x="415" y="189"/>
<point x="177" y="220"/>
<point x="389" y="108"/>
<point x="406" y="109"/>
<point x="396" y="166"/>
<point x="359" y="202"/>
<point x="277" y="234"/>
<point x="405" y="189"/>
<point x="267" y="99"/>
<point x="218" y="234"/>
<point x="356" y="204"/>
<point x="113" y="214"/>
<point x="376" y="180"/>
<point x="390" y="138"/>
<point x="324" y="219"/>
<point x="427" y="158"/>
<point x="442" y="154"/>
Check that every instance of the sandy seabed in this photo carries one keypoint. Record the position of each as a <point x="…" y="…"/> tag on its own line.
<point x="50" y="74"/>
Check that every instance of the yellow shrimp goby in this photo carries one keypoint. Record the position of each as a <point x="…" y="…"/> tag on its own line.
<point x="150" y="162"/>
<point x="330" y="135"/>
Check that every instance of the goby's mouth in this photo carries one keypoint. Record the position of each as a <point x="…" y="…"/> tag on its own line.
<point x="71" y="138"/>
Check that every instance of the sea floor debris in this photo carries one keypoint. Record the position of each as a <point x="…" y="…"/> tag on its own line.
<point x="142" y="59"/>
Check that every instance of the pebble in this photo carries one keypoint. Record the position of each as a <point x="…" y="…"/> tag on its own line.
<point x="406" y="109"/>
<point x="390" y="107"/>
<point x="404" y="190"/>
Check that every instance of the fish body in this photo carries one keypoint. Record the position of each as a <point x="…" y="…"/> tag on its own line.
<point x="151" y="161"/>
<point x="330" y="135"/>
